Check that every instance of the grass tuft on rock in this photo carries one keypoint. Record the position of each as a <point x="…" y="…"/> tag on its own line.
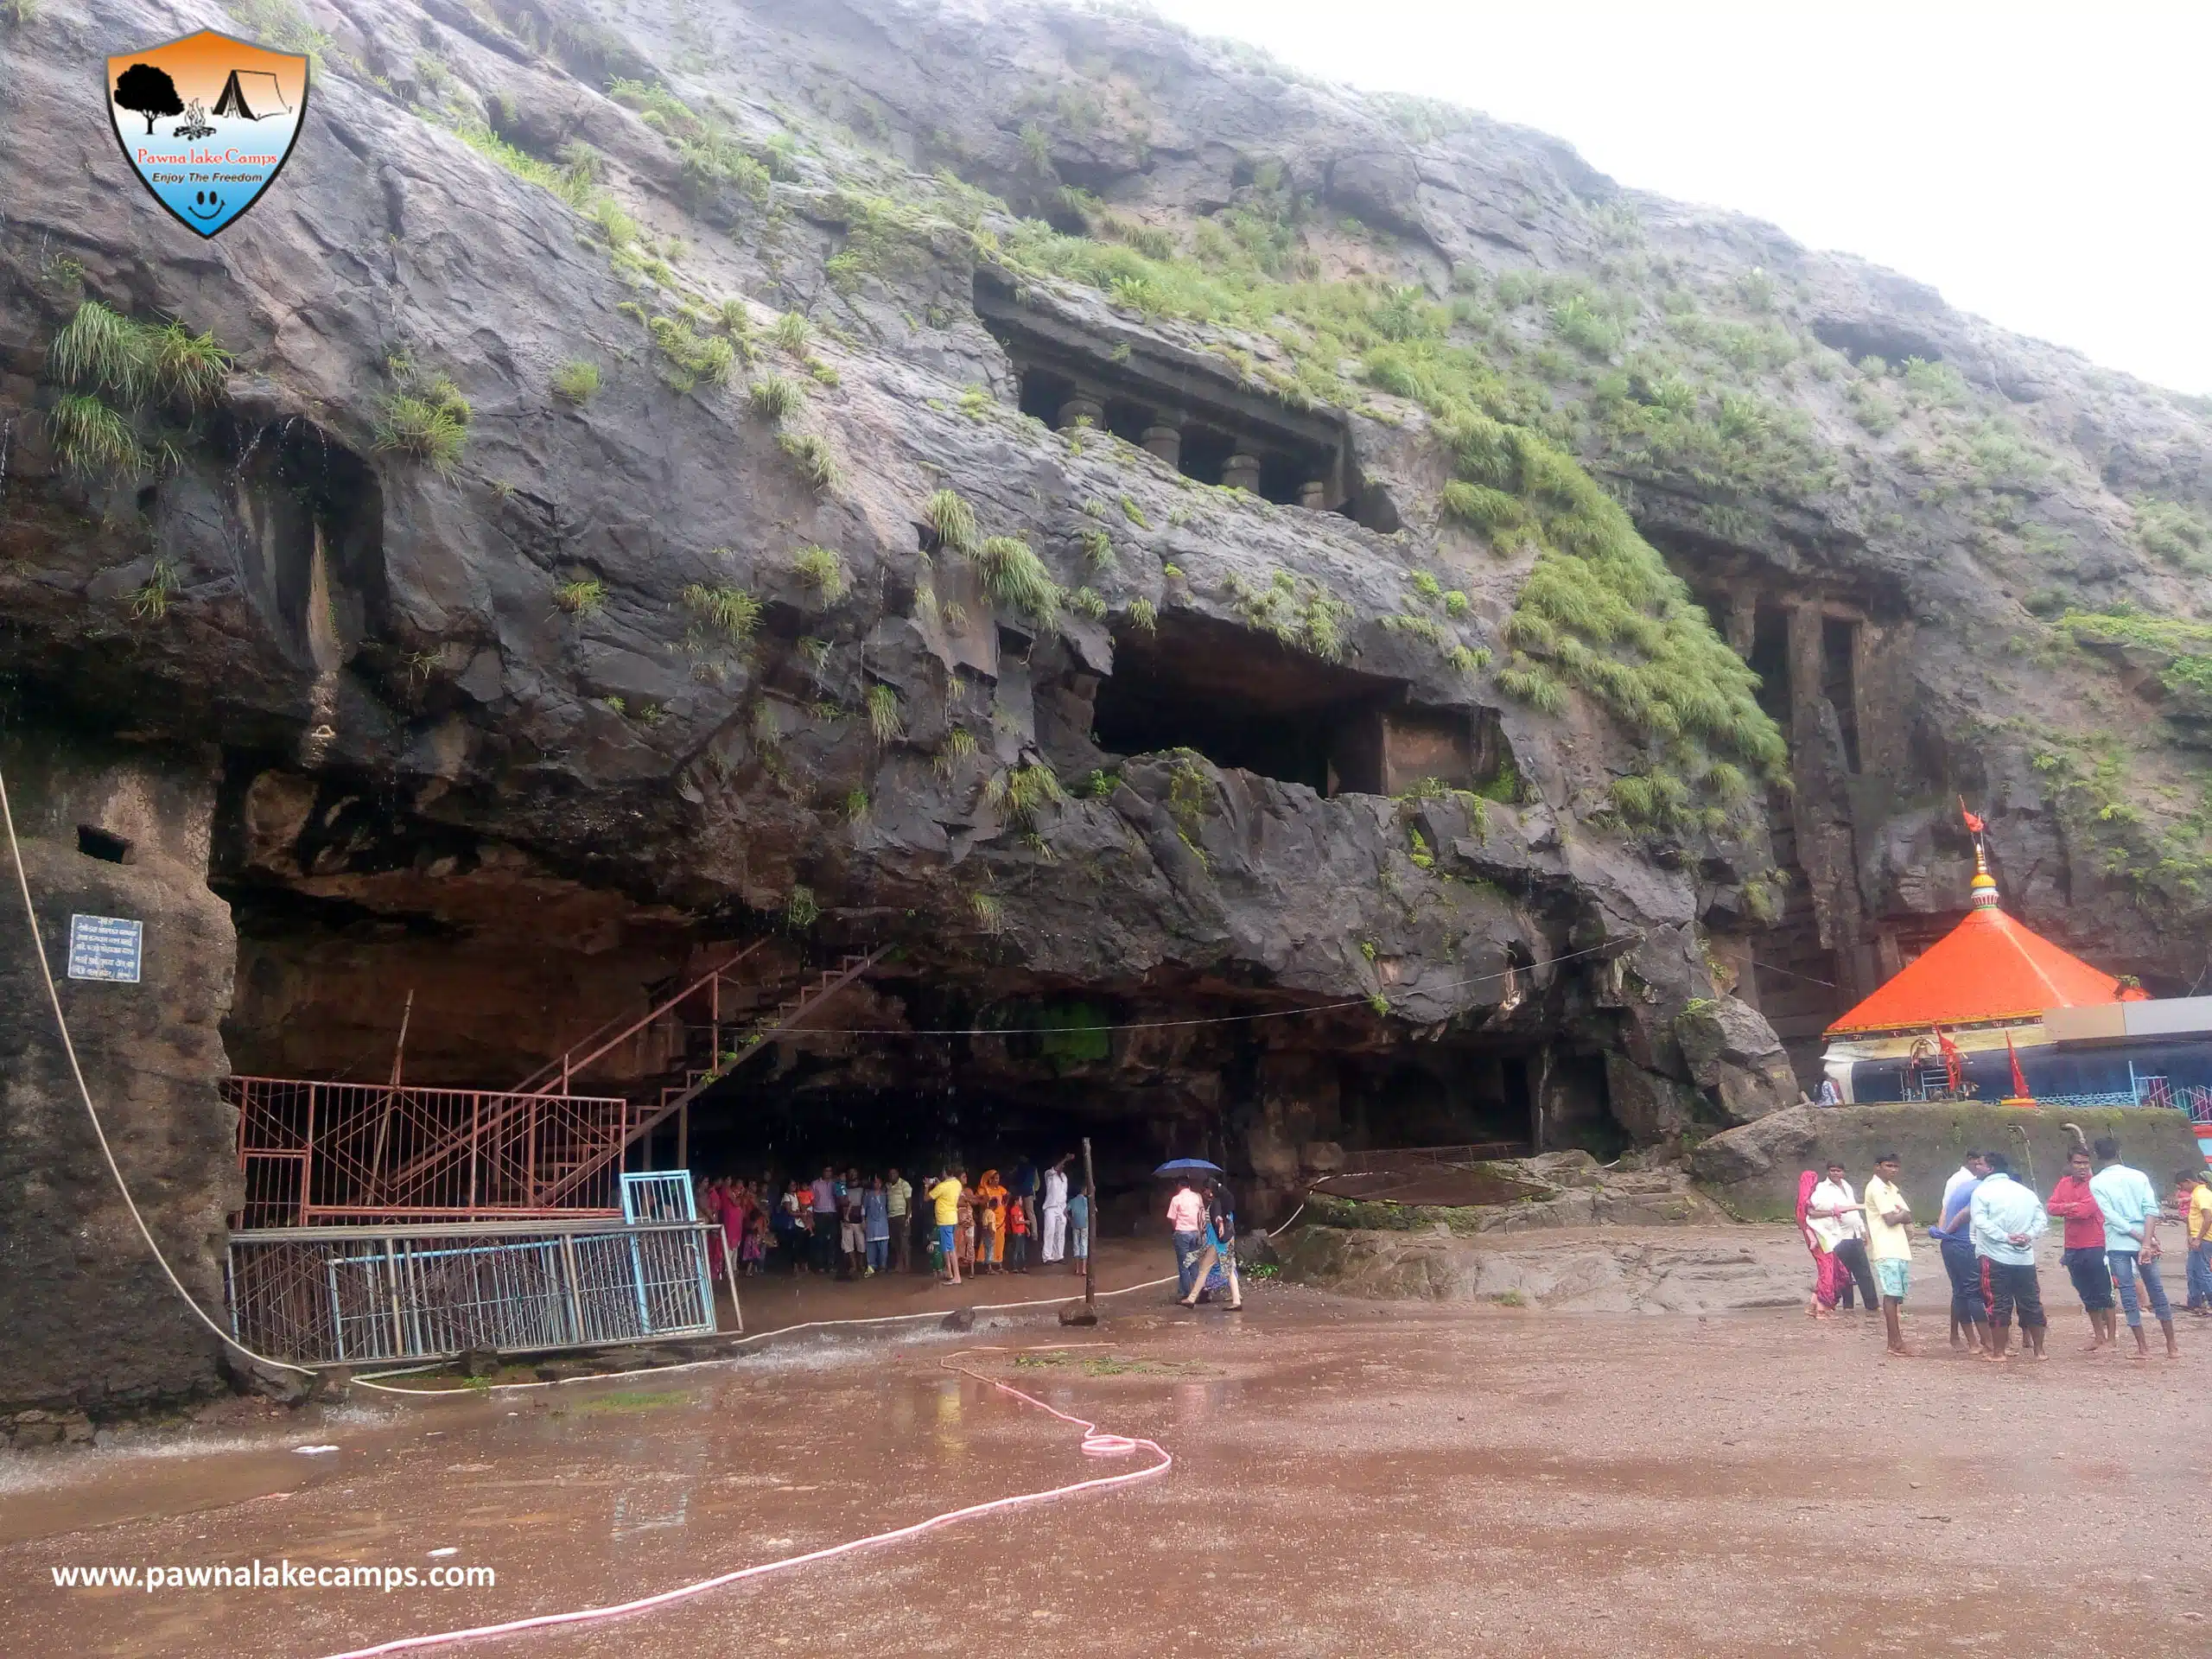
<point x="575" y="381"/>
<point x="1015" y="577"/>
<point x="820" y="569"/>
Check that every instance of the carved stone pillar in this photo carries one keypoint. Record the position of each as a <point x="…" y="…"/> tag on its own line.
<point x="1313" y="496"/>
<point x="1242" y="472"/>
<point x="1166" y="443"/>
<point x="1743" y="624"/>
<point x="1082" y="409"/>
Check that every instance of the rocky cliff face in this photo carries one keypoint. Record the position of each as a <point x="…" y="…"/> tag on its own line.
<point x="1152" y="538"/>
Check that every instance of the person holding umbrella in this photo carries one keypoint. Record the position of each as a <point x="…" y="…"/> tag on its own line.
<point x="1216" y="1267"/>
<point x="1186" y="1216"/>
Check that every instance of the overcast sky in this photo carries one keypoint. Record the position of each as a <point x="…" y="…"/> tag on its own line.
<point x="2045" y="165"/>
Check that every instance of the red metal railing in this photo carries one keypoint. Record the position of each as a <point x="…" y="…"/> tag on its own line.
<point x="332" y="1151"/>
<point x="599" y="1043"/>
<point x="336" y="1152"/>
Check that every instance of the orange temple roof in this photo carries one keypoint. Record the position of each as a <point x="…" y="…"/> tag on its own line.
<point x="1989" y="967"/>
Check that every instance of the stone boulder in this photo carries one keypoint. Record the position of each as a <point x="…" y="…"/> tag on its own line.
<point x="1653" y="1109"/>
<point x="1734" y="1055"/>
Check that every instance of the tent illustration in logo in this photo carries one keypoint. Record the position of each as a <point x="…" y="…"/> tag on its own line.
<point x="268" y="96"/>
<point x="206" y="122"/>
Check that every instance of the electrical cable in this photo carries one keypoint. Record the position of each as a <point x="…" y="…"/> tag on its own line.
<point x="1095" y="1444"/>
<point x="1610" y="947"/>
<point x="371" y="1382"/>
<point x="85" y="1094"/>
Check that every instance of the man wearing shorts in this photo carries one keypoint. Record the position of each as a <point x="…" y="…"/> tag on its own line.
<point x="1888" y="1245"/>
<point x="945" y="1195"/>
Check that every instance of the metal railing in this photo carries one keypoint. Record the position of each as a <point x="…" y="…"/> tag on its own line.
<point x="346" y="1295"/>
<point x="314" y="1153"/>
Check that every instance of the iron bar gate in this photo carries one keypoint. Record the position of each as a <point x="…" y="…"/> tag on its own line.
<point x="329" y="1295"/>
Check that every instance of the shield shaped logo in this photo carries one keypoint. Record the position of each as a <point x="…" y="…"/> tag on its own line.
<point x="207" y="123"/>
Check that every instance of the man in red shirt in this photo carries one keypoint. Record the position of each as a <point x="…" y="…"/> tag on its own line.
<point x="2084" y="1257"/>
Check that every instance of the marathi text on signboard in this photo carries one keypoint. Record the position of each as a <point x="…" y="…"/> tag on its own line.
<point x="105" y="947"/>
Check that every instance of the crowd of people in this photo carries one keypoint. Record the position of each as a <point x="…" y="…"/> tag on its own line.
<point x="1987" y="1237"/>
<point x="851" y="1226"/>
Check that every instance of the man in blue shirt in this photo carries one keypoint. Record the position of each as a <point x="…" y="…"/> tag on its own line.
<point x="2006" y="1219"/>
<point x="1969" y="1313"/>
<point x="2129" y="1206"/>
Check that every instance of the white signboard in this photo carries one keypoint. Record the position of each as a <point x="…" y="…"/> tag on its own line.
<point x="105" y="947"/>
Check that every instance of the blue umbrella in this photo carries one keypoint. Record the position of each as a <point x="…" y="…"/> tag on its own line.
<point x="1189" y="1166"/>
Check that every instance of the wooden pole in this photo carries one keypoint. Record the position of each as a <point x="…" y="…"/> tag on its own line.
<point x="391" y="1100"/>
<point x="399" y="1052"/>
<point x="1090" y="1239"/>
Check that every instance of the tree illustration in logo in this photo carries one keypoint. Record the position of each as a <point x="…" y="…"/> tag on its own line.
<point x="146" y="91"/>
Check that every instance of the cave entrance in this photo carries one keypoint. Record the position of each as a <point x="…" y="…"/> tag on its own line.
<point x="1426" y="1098"/>
<point x="1245" y="700"/>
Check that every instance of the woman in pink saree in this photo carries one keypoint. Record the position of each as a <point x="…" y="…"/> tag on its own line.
<point x="1824" y="1262"/>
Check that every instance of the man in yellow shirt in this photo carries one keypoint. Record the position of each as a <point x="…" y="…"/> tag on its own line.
<point x="945" y="1195"/>
<point x="2193" y="1203"/>
<point x="1889" y="1244"/>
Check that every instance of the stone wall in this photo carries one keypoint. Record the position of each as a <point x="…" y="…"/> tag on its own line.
<point x="1754" y="1170"/>
<point x="91" y="1322"/>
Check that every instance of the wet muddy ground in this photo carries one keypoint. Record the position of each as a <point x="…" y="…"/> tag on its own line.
<point x="1351" y="1477"/>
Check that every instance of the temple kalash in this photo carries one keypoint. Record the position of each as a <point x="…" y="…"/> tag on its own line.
<point x="1994" y="1011"/>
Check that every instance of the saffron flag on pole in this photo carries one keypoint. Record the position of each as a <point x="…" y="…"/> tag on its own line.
<point x="1974" y="823"/>
<point x="2019" y="1079"/>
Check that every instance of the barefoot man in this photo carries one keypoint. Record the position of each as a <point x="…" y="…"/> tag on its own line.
<point x="1888" y="1245"/>
<point x="945" y="1195"/>
<point x="2073" y="1203"/>
<point x="2006" y="1219"/>
<point x="2131" y="1213"/>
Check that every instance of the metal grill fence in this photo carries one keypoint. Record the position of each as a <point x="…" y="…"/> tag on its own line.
<point x="337" y="1295"/>
<point x="338" y="1152"/>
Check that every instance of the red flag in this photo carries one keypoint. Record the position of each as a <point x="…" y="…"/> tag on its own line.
<point x="1974" y="825"/>
<point x="2019" y="1081"/>
<point x="1955" y="1066"/>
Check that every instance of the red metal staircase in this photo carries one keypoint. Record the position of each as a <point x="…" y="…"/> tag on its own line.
<point x="788" y="1016"/>
<point x="313" y="1152"/>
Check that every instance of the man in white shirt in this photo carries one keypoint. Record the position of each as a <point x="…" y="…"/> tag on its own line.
<point x="1056" y="1210"/>
<point x="1837" y="1222"/>
<point x="1889" y="1244"/>
<point x="2005" y="1220"/>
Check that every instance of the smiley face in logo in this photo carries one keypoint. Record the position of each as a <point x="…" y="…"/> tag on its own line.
<point x="206" y="205"/>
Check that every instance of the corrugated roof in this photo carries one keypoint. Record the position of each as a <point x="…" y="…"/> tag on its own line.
<point x="1989" y="967"/>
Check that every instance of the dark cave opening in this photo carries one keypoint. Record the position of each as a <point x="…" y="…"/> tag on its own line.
<point x="1245" y="700"/>
<point x="1042" y="394"/>
<point x="1206" y="454"/>
<point x="95" y="842"/>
